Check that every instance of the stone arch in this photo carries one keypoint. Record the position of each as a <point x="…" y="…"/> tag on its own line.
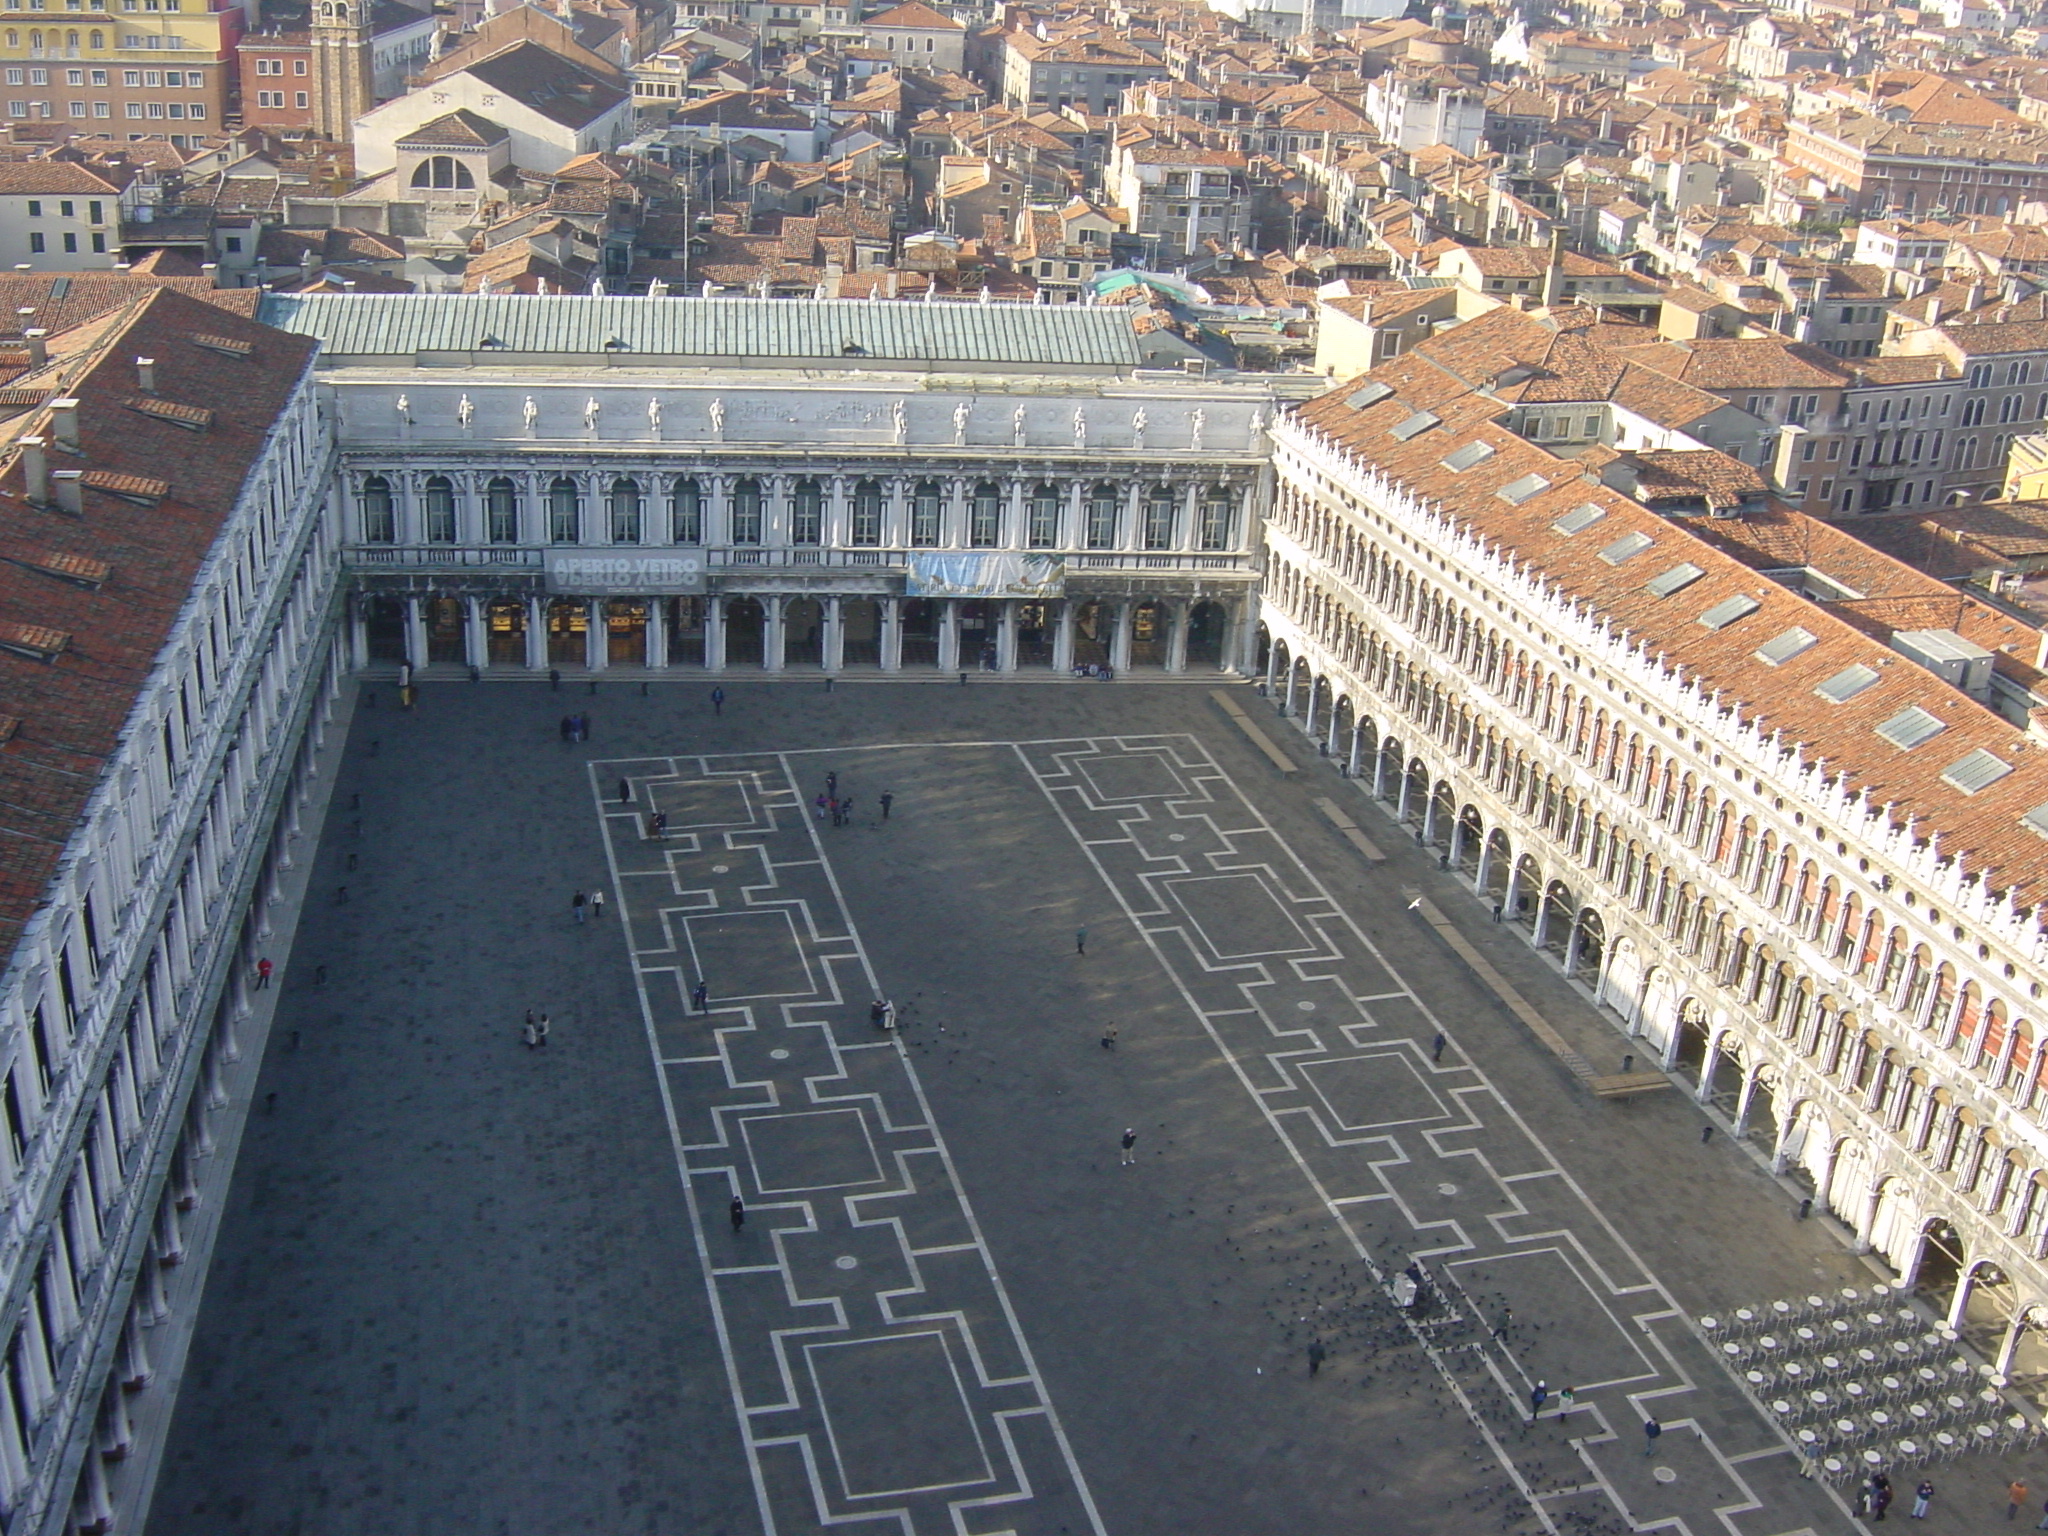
<point x="1689" y="1043"/>
<point x="1620" y="983"/>
<point x="1555" y="917"/>
<point x="1500" y="866"/>
<point x="1470" y="842"/>
<point x="1586" y="949"/>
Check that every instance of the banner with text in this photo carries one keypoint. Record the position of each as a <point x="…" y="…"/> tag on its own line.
<point x="965" y="573"/>
<point x="581" y="573"/>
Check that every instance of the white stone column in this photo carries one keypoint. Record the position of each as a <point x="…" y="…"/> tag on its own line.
<point x="838" y="495"/>
<point x="892" y="634"/>
<point x="1177" y="615"/>
<point x="476" y="641"/>
<point x="949" y="634"/>
<point x="953" y="522"/>
<point x="714" y="634"/>
<point x="358" y="637"/>
<point x="1485" y="870"/>
<point x="1120" y="641"/>
<point x="1063" y="637"/>
<point x="415" y="632"/>
<point x="596" y="637"/>
<point x="536" y="634"/>
<point x="717" y="511"/>
<point x="774" y="636"/>
<point x="833" y="651"/>
<point x="656" y="655"/>
<point x="1006" y="637"/>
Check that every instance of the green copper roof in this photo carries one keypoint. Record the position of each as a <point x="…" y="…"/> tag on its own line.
<point x="852" y="331"/>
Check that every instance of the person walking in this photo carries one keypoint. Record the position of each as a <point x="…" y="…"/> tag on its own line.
<point x="1436" y="1047"/>
<point x="568" y="726"/>
<point x="821" y="803"/>
<point x="718" y="701"/>
<point x="262" y="973"/>
<point x="660" y="825"/>
<point x="877" y="1011"/>
<point x="540" y="1031"/>
<point x="1880" y="1496"/>
<point x="846" y="812"/>
<point x="1651" y="1430"/>
<point x="887" y="801"/>
<point x="1922" y="1497"/>
<point x="1130" y="1140"/>
<point x="597" y="904"/>
<point x="1080" y="941"/>
<point x="625" y="791"/>
<point x="2015" y="1496"/>
<point x="2043" y="1526"/>
<point x="1109" y="1037"/>
<point x="529" y="1033"/>
<point x="832" y="782"/>
<point x="888" y="1017"/>
<point x="577" y="904"/>
<point x="1316" y="1356"/>
<point x="700" y="996"/>
<point x="1565" y="1399"/>
<point x="1538" y="1396"/>
<point x="738" y="1208"/>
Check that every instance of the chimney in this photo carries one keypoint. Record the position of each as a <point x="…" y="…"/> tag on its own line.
<point x="1553" y="272"/>
<point x="35" y="470"/>
<point x="1976" y="295"/>
<point x="38" y="347"/>
<point x="145" y="375"/>
<point x="64" y="424"/>
<point x="1934" y="309"/>
<point x="69" y="485"/>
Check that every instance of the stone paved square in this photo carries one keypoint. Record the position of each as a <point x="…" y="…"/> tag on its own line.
<point x="467" y="1285"/>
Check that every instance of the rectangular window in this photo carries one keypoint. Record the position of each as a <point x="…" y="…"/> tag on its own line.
<point x="99" y="244"/>
<point x="15" y="77"/>
<point x="35" y="242"/>
<point x="39" y="77"/>
<point x="152" y="77"/>
<point x="78" y="109"/>
<point x="74" y="77"/>
<point x="298" y="66"/>
<point x="35" y="208"/>
<point x="175" y="79"/>
<point x="135" y="109"/>
<point x="131" y="77"/>
<point x="17" y="109"/>
<point x="177" y="109"/>
<point x="99" y="77"/>
<point x="194" y="111"/>
<point x="71" y="243"/>
<point x="156" y="109"/>
<point x="1216" y="520"/>
<point x="925" y="506"/>
<point x="102" y="109"/>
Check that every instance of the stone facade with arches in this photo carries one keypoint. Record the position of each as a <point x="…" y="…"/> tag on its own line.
<point x="1859" y="995"/>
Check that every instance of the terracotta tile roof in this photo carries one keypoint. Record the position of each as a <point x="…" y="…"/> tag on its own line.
<point x="1985" y="829"/>
<point x="72" y="709"/>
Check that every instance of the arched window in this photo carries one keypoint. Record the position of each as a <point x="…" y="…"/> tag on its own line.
<point x="380" y="517"/>
<point x="985" y="516"/>
<point x="1044" y="532"/>
<point x="686" y="513"/>
<point x="927" y="508"/>
<point x="1102" y="504"/>
<point x="443" y="173"/>
<point x="1159" y="508"/>
<point x="71" y="42"/>
<point x="746" y="511"/>
<point x="1216" y="518"/>
<point x="437" y="502"/>
<point x="623" y="503"/>
<point x="13" y="38"/>
<point x="99" y="39"/>
<point x="501" y="511"/>
<point x="867" y="513"/>
<point x="807" y="513"/>
<point x="565" y="512"/>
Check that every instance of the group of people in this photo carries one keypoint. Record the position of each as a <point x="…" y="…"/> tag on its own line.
<point x="581" y="905"/>
<point x="575" y="727"/>
<point x="1101" y="670"/>
<point x="840" y="807"/>
<point x="536" y="1031"/>
<point x="882" y="1014"/>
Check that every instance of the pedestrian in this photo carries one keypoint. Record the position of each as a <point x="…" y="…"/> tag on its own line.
<point x="718" y="701"/>
<point x="597" y="904"/>
<point x="660" y="825"/>
<point x="1130" y="1140"/>
<point x="2043" y="1526"/>
<point x="541" y="1031"/>
<point x="887" y="800"/>
<point x="577" y="904"/>
<point x="833" y="807"/>
<point x="1922" y="1497"/>
<point x="1538" y="1396"/>
<point x="1565" y="1399"/>
<point x="530" y="1034"/>
<point x="1109" y="1037"/>
<point x="568" y="726"/>
<point x="846" y="812"/>
<point x="1496" y="911"/>
<point x="1316" y="1356"/>
<point x="1500" y="1328"/>
<point x="832" y="782"/>
<point x="700" y="996"/>
<point x="1436" y="1047"/>
<point x="1651" y="1430"/>
<point x="1706" y="1134"/>
<point x="2015" y="1496"/>
<point x="888" y="1017"/>
<point x="1080" y="941"/>
<point x="554" y="679"/>
<point x="1880" y="1496"/>
<point x="877" y="1010"/>
<point x="739" y="1212"/>
<point x="821" y="805"/>
<point x="625" y="791"/>
<point x="262" y="973"/>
